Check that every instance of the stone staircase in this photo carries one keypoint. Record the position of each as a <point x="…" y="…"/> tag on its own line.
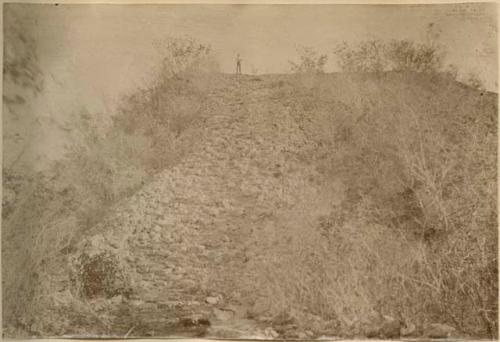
<point x="190" y="234"/>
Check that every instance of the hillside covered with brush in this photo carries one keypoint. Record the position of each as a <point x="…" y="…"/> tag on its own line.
<point x="309" y="204"/>
<point x="352" y="204"/>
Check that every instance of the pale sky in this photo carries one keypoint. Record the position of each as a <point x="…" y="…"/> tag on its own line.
<point x="107" y="49"/>
<point x="90" y="54"/>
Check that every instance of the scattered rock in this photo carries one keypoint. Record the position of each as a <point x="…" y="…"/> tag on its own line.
<point x="236" y="296"/>
<point x="390" y="327"/>
<point x="135" y="302"/>
<point x="188" y="322"/>
<point x="409" y="329"/>
<point x="269" y="332"/>
<point x="194" y="326"/>
<point x="366" y="326"/>
<point x="288" y="331"/>
<point x="329" y="328"/>
<point x="224" y="333"/>
<point x="438" y="330"/>
<point x="212" y="300"/>
<point x="371" y="331"/>
<point x="382" y="327"/>
<point x="259" y="308"/>
<point x="285" y="318"/>
<point x="226" y="204"/>
<point x="116" y="300"/>
<point x="223" y="315"/>
<point x="302" y="335"/>
<point x="147" y="307"/>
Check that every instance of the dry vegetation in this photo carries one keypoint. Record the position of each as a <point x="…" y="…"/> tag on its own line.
<point x="45" y="213"/>
<point x="416" y="236"/>
<point x="406" y="225"/>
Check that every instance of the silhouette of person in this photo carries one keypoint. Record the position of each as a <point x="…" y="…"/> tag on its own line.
<point x="238" y="64"/>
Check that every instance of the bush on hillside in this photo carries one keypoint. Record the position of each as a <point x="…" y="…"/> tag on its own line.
<point x="416" y="236"/>
<point x="310" y="62"/>
<point x="23" y="82"/>
<point x="108" y="159"/>
<point x="184" y="56"/>
<point x="368" y="56"/>
<point x="375" y="56"/>
<point x="405" y="55"/>
<point x="113" y="157"/>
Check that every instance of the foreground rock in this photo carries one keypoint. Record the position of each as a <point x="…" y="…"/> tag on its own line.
<point x="438" y="330"/>
<point x="385" y="327"/>
<point x="409" y="330"/>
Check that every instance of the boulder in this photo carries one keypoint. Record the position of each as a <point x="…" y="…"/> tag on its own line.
<point x="439" y="330"/>
<point x="212" y="300"/>
<point x="197" y="326"/>
<point x="225" y="333"/>
<point x="408" y="330"/>
<point x="288" y="331"/>
<point x="259" y="308"/>
<point x="301" y="335"/>
<point x="386" y="327"/>
<point x="116" y="299"/>
<point x="270" y="333"/>
<point x="390" y="327"/>
<point x="285" y="317"/>
<point x="194" y="322"/>
<point x="223" y="315"/>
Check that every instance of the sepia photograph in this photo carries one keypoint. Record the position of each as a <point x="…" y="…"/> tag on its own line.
<point x="250" y="171"/>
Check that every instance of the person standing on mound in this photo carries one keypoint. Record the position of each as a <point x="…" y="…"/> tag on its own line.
<point x="238" y="64"/>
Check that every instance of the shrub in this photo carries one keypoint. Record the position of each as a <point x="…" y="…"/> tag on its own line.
<point x="405" y="55"/>
<point x="100" y="275"/>
<point x="184" y="56"/>
<point x="109" y="158"/>
<point x="368" y="56"/>
<point x="416" y="235"/>
<point x="309" y="61"/>
<point x="375" y="56"/>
